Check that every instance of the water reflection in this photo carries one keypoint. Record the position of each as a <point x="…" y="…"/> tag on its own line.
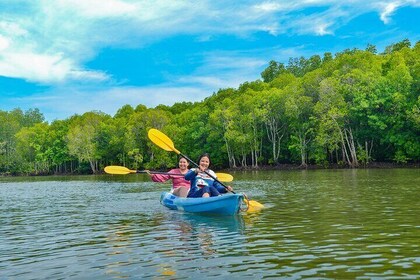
<point x="169" y="242"/>
<point x="218" y="223"/>
<point x="196" y="241"/>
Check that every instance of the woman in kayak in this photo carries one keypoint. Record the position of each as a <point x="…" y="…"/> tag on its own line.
<point x="202" y="184"/>
<point x="180" y="186"/>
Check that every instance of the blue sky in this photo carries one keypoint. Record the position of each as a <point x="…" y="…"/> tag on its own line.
<point x="69" y="57"/>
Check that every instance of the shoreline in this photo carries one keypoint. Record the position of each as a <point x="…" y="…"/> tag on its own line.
<point x="373" y="165"/>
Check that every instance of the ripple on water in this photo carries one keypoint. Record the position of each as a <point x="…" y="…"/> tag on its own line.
<point x="316" y="224"/>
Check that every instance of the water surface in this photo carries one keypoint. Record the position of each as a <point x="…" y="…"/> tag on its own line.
<point x="336" y="224"/>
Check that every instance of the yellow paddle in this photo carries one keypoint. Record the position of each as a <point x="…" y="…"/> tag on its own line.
<point x="164" y="142"/>
<point x="122" y="170"/>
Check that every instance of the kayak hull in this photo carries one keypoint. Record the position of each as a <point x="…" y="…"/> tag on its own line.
<point x="228" y="204"/>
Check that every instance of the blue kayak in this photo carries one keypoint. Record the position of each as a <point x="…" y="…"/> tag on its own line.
<point x="228" y="204"/>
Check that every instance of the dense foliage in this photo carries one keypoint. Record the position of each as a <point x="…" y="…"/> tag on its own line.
<point x="350" y="109"/>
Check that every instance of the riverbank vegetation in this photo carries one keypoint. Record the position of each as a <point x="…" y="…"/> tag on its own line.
<point x="350" y="109"/>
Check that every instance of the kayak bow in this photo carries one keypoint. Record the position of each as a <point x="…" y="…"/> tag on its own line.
<point x="228" y="204"/>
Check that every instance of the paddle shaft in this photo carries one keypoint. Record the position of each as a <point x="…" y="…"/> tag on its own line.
<point x="158" y="172"/>
<point x="196" y="165"/>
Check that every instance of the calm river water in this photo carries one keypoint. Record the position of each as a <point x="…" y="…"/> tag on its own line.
<point x="337" y="224"/>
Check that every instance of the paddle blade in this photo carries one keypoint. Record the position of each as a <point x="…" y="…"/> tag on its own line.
<point x="161" y="140"/>
<point x="253" y="206"/>
<point x="118" y="170"/>
<point x="224" y="177"/>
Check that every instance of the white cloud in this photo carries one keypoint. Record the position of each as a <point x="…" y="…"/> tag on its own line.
<point x="44" y="68"/>
<point x="387" y="11"/>
<point x="4" y="43"/>
<point x="47" y="68"/>
<point x="12" y="28"/>
<point x="268" y="7"/>
<point x="322" y="29"/>
<point x="98" y="8"/>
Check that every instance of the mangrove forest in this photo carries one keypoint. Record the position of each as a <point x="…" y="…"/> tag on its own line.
<point x="349" y="109"/>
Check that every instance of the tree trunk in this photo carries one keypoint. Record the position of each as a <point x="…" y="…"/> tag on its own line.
<point x="303" y="143"/>
<point x="274" y="136"/>
<point x="92" y="166"/>
<point x="349" y="140"/>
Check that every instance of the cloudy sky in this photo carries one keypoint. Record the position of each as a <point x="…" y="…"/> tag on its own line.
<point x="69" y="57"/>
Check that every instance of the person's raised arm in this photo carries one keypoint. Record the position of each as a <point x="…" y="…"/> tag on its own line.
<point x="158" y="177"/>
<point x="191" y="174"/>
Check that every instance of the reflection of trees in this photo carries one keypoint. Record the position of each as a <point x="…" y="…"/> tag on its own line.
<point x="166" y="243"/>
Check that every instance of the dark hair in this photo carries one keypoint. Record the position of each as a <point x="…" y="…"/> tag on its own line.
<point x="204" y="155"/>
<point x="182" y="157"/>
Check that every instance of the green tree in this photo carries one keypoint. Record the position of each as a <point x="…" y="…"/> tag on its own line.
<point x="299" y="108"/>
<point x="82" y="138"/>
<point x="32" y="147"/>
<point x="275" y="119"/>
<point x="272" y="71"/>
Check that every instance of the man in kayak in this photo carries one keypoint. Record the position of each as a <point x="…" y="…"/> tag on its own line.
<point x="202" y="184"/>
<point x="180" y="186"/>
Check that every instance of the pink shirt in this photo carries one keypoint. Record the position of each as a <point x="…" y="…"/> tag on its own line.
<point x="177" y="181"/>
